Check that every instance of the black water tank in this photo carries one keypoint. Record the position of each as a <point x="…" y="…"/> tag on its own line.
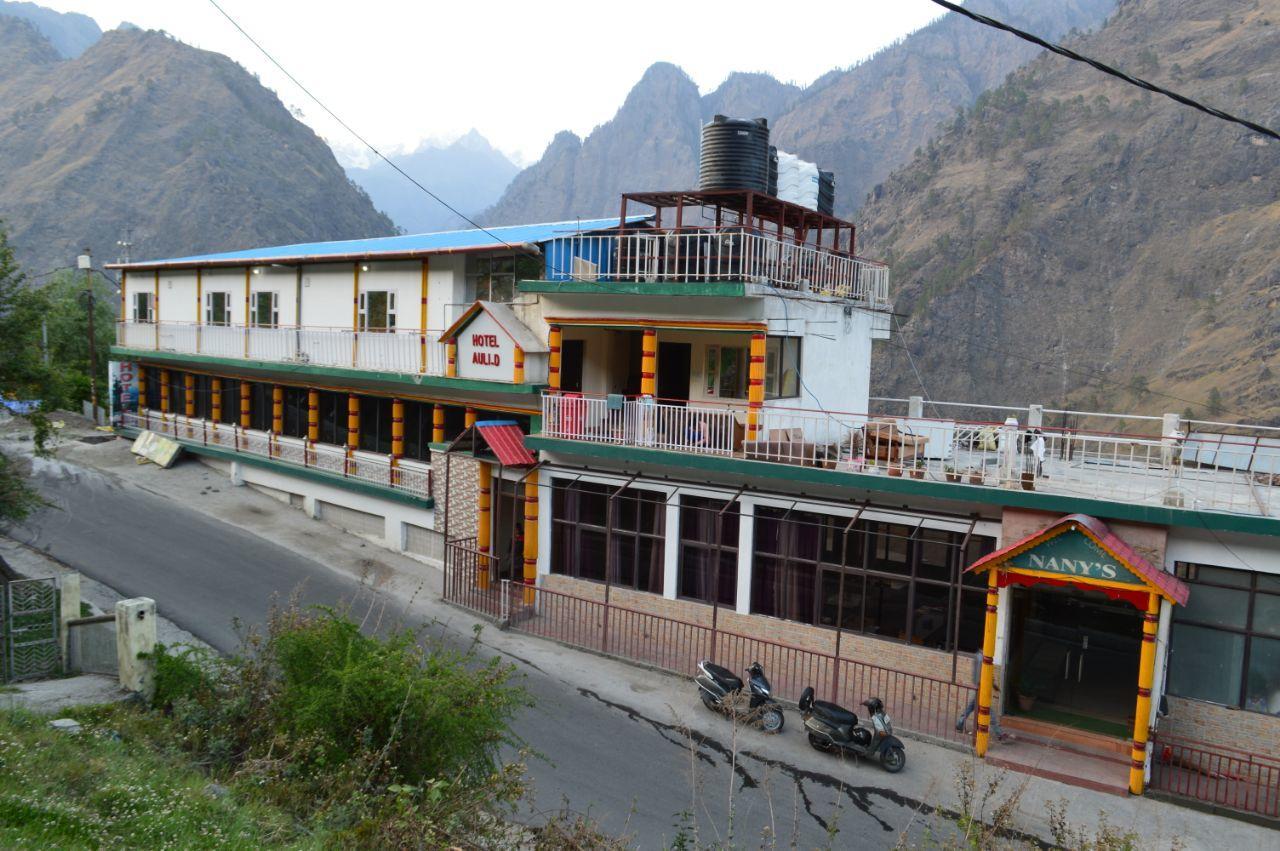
<point x="773" y="171"/>
<point x="735" y="154"/>
<point x="827" y="192"/>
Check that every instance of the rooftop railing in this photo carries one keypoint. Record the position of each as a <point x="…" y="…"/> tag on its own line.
<point x="399" y="350"/>
<point x="1229" y="472"/>
<point x="705" y="255"/>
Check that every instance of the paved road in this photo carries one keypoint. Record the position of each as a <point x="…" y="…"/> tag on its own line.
<point x="606" y="756"/>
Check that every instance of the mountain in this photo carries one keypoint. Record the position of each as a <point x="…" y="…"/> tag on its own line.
<point x="181" y="146"/>
<point x="70" y="33"/>
<point x="1075" y="240"/>
<point x="860" y="122"/>
<point x="470" y="174"/>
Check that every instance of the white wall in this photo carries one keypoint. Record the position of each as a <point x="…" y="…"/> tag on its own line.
<point x="1222" y="549"/>
<point x="229" y="280"/>
<point x="281" y="280"/>
<point x="178" y="296"/>
<point x="835" y="357"/>
<point x="327" y="290"/>
<point x="446" y="288"/>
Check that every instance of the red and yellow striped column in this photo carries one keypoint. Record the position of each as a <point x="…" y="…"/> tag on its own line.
<point x="555" y="342"/>
<point x="124" y="296"/>
<point x="353" y="431"/>
<point x="649" y="363"/>
<point x="422" y="319"/>
<point x="246" y="404"/>
<point x="517" y="369"/>
<point x="189" y="394"/>
<point x="164" y="391"/>
<point x="987" y="681"/>
<point x="530" y="575"/>
<point x="397" y="438"/>
<point x="142" y="387"/>
<point x="277" y="418"/>
<point x="155" y="309"/>
<point x="755" y="385"/>
<point x="215" y="401"/>
<point x="1142" y="713"/>
<point x="313" y="423"/>
<point x="469" y="418"/>
<point x="484" y="529"/>
<point x="437" y="423"/>
<point x="451" y="358"/>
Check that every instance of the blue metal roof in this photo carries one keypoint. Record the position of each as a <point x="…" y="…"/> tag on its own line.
<point x="444" y="242"/>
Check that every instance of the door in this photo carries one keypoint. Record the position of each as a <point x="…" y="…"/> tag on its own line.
<point x="1073" y="658"/>
<point x="674" y="361"/>
<point x="572" y="353"/>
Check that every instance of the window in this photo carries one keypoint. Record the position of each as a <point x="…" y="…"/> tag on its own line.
<point x="375" y="424"/>
<point x="726" y="372"/>
<point x="230" y="401"/>
<point x="217" y="308"/>
<point x="144" y="307"/>
<point x="881" y="579"/>
<point x="333" y="418"/>
<point x="378" y="311"/>
<point x="260" y="406"/>
<point x="708" y="550"/>
<point x="204" y="397"/>
<point x="1225" y="646"/>
<point x="581" y="545"/>
<point x="295" y="412"/>
<point x="782" y="367"/>
<point x="494" y="278"/>
<point x="264" y="309"/>
<point x="418" y="423"/>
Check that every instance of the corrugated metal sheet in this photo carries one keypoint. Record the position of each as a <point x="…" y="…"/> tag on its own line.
<point x="393" y="246"/>
<point x="507" y="442"/>
<point x="1233" y="452"/>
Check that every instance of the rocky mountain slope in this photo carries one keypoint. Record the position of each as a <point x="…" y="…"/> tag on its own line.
<point x="860" y="122"/>
<point x="70" y="33"/>
<point x="181" y="146"/>
<point x="1072" y="239"/>
<point x="469" y="173"/>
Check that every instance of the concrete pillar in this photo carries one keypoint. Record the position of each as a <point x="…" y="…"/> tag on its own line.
<point x="246" y="403"/>
<point x="1009" y="473"/>
<point x="987" y="680"/>
<point x="915" y="407"/>
<point x="1035" y="416"/>
<point x="215" y="400"/>
<point x="1142" y="711"/>
<point x="530" y="554"/>
<point x="1171" y="424"/>
<point x="311" y="507"/>
<point x="671" y="552"/>
<point x="277" y="409"/>
<point x="437" y="423"/>
<point x="313" y="415"/>
<point x="517" y="369"/>
<point x="649" y="363"/>
<point x="451" y="359"/>
<point x="164" y="391"/>
<point x="755" y="386"/>
<point x="746" y="554"/>
<point x="395" y="533"/>
<point x="484" y="523"/>
<point x="135" y="634"/>
<point x="236" y="474"/>
<point x="189" y="394"/>
<point x="555" y="341"/>
<point x="69" y="609"/>
<point x="469" y="418"/>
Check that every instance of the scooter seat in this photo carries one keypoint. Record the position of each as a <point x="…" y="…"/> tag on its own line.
<point x="723" y="676"/>
<point x="834" y="713"/>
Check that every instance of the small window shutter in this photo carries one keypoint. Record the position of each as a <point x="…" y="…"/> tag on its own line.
<point x="364" y="312"/>
<point x="391" y="310"/>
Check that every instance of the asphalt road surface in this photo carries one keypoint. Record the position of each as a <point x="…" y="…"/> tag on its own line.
<point x="632" y="772"/>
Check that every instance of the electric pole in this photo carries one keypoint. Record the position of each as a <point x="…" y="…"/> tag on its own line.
<point x="85" y="261"/>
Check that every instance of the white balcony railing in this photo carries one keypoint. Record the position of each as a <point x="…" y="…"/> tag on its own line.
<point x="726" y="254"/>
<point x="1216" y="472"/>
<point x="397" y="350"/>
<point x="410" y="476"/>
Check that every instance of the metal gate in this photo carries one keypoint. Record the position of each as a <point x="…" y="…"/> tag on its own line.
<point x="29" y="625"/>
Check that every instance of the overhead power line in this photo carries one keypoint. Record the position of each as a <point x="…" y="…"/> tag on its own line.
<point x="1107" y="69"/>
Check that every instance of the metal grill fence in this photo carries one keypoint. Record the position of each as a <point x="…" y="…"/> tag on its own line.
<point x="29" y="628"/>
<point x="1236" y="780"/>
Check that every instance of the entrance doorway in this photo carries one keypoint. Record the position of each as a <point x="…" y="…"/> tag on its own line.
<point x="508" y="528"/>
<point x="674" y="361"/>
<point x="1073" y="658"/>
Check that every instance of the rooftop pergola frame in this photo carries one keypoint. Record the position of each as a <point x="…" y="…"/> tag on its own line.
<point x="748" y="209"/>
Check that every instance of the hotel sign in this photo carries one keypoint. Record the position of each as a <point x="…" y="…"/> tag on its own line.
<point x="1074" y="556"/>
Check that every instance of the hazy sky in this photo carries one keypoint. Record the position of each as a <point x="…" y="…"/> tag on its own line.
<point x="401" y="72"/>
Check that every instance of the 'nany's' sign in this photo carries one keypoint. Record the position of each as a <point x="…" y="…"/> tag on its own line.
<point x="1073" y="554"/>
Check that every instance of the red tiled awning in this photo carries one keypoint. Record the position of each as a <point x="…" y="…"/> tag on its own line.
<point x="1166" y="584"/>
<point x="507" y="442"/>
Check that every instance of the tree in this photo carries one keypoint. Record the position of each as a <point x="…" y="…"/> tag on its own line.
<point x="1215" y="406"/>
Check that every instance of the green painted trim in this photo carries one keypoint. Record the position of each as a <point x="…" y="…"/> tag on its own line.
<point x="320" y="476"/>
<point x="959" y="492"/>
<point x="438" y="447"/>
<point x="671" y="288"/>
<point x="331" y="372"/>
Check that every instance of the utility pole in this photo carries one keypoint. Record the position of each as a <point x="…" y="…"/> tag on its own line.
<point x="85" y="261"/>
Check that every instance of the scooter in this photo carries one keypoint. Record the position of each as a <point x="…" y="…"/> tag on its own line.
<point x="832" y="728"/>
<point x="721" y="691"/>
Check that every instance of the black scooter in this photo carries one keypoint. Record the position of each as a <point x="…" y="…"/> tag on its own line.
<point x="832" y="728"/>
<point x="721" y="691"/>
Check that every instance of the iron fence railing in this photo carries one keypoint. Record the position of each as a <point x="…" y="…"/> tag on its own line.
<point x="412" y="477"/>
<point x="917" y="702"/>
<point x="1221" y="776"/>
<point x="1215" y="472"/>
<point x="400" y="350"/>
<point x="700" y="255"/>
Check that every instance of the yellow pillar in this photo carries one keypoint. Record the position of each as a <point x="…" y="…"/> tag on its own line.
<point x="555" y="340"/>
<point x="124" y="296"/>
<point x="437" y="423"/>
<point x="987" y="680"/>
<point x="246" y="404"/>
<point x="530" y="536"/>
<point x="1142" y="713"/>
<point x="469" y="418"/>
<point x="142" y="387"/>
<point x="248" y="274"/>
<point x="353" y="431"/>
<point x="397" y="438"/>
<point x="199" y="306"/>
<point x="451" y="359"/>
<point x="517" y="371"/>
<point x="164" y="391"/>
<point x="422" y="320"/>
<point x="649" y="363"/>
<point x="189" y="394"/>
<point x="277" y="409"/>
<point x="484" y="530"/>
<point x="215" y="400"/>
<point x="755" y="386"/>
<point x="355" y="314"/>
<point x="313" y="415"/>
<point x="155" y="309"/>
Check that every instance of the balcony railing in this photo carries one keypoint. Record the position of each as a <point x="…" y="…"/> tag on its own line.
<point x="395" y="350"/>
<point x="706" y="255"/>
<point x="1216" y="472"/>
<point x="413" y="477"/>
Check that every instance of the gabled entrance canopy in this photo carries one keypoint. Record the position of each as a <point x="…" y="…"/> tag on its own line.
<point x="1081" y="551"/>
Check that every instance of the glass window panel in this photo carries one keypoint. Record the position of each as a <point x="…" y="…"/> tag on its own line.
<point x="1214" y="575"/>
<point x="929" y="617"/>
<point x="1216" y="606"/>
<point x="649" y="564"/>
<point x="1206" y="663"/>
<point x="591" y="554"/>
<point x="766" y="585"/>
<point x="1267" y="582"/>
<point x="886" y="607"/>
<point x="768" y="535"/>
<point x="1262" y="689"/>
<point x="1266" y="613"/>
<point x="890" y="548"/>
<point x="693" y="572"/>
<point x="935" y="548"/>
<point x="806" y="536"/>
<point x="973" y="613"/>
<point x="624" y="560"/>
<point x="592" y="503"/>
